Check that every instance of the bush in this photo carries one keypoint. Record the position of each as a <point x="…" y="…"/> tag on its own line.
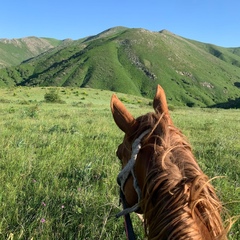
<point x="53" y="97"/>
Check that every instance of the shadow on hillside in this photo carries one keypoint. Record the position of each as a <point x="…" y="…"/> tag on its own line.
<point x="226" y="105"/>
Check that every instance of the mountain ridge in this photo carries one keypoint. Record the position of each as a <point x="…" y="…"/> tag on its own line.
<point x="133" y="61"/>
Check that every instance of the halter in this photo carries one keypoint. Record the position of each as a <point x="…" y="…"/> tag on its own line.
<point x="129" y="168"/>
<point x="121" y="180"/>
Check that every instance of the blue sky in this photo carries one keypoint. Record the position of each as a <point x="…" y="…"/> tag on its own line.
<point x="209" y="21"/>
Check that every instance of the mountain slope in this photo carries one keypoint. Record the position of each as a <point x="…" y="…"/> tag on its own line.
<point x="14" y="51"/>
<point x="135" y="60"/>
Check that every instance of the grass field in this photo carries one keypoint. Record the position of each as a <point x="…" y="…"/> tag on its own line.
<point x="58" y="166"/>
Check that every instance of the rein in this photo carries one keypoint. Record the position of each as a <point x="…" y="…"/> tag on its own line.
<point x="121" y="180"/>
<point x="127" y="220"/>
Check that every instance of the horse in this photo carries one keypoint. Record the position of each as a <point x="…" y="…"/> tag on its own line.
<point x="161" y="179"/>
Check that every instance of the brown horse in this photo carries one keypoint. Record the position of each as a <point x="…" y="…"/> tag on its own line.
<point x="161" y="179"/>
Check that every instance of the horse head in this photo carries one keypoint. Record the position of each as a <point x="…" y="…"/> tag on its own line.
<point x="132" y="127"/>
<point x="161" y="178"/>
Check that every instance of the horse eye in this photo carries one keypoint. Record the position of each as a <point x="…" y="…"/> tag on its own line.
<point x="119" y="153"/>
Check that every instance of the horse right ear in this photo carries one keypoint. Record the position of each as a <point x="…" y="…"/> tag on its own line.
<point x="160" y="101"/>
<point x="122" y="117"/>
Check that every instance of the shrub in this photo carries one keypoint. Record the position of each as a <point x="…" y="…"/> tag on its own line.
<point x="52" y="97"/>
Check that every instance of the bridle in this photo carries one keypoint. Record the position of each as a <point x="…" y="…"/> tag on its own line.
<point x="121" y="180"/>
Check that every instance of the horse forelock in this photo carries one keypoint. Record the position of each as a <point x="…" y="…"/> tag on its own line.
<point x="177" y="197"/>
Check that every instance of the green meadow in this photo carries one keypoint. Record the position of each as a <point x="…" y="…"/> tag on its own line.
<point x="58" y="166"/>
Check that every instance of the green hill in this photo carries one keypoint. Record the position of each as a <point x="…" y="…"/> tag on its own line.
<point x="134" y="61"/>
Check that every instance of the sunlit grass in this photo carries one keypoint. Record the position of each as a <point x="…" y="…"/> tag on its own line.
<point x="58" y="166"/>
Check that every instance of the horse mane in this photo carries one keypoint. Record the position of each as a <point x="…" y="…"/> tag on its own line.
<point x="177" y="197"/>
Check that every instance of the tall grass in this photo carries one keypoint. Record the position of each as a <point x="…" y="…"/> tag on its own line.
<point x="58" y="166"/>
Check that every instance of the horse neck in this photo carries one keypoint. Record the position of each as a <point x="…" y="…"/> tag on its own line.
<point x="168" y="214"/>
<point x="177" y="224"/>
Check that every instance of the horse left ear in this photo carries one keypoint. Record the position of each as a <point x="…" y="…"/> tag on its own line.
<point x="122" y="117"/>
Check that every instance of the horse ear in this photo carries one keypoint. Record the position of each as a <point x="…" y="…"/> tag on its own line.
<point x="160" y="101"/>
<point x="122" y="117"/>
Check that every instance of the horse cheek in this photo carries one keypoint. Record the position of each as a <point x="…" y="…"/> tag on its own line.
<point x="130" y="193"/>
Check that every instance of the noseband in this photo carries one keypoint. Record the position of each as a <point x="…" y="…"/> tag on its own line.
<point x="124" y="174"/>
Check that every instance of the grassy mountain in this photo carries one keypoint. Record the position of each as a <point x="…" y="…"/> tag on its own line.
<point x="133" y="61"/>
<point x="14" y="51"/>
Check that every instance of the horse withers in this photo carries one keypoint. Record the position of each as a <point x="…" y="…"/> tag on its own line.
<point x="161" y="179"/>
